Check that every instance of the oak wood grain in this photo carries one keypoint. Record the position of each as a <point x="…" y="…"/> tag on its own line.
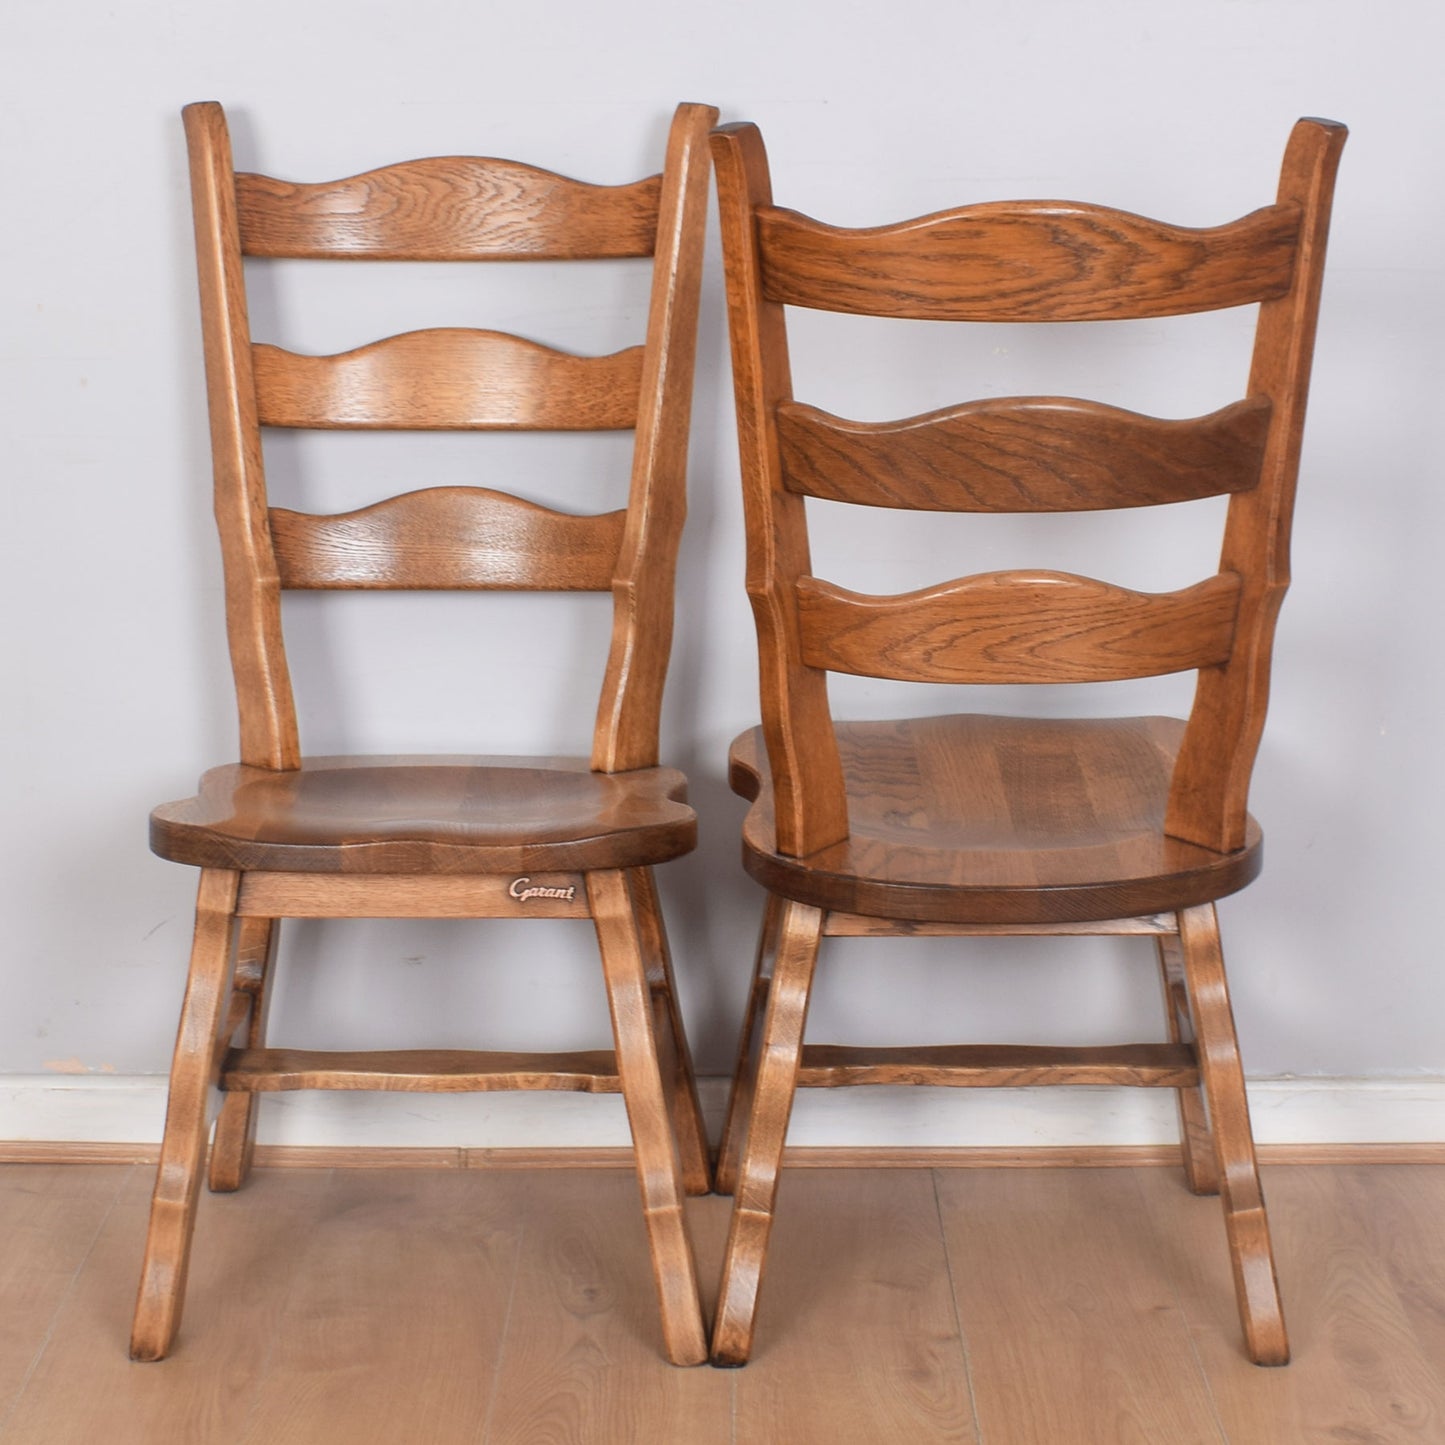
<point x="999" y="1066"/>
<point x="1079" y="801"/>
<point x="448" y="378"/>
<point x="1017" y="627"/>
<point x="1022" y="454"/>
<point x="448" y="537"/>
<point x="1027" y="261"/>
<point x="258" y="1070"/>
<point x="447" y="208"/>
<point x="425" y="813"/>
<point x="413" y="895"/>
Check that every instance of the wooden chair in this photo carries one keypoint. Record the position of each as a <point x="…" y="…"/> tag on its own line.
<point x="277" y="835"/>
<point x="985" y="825"/>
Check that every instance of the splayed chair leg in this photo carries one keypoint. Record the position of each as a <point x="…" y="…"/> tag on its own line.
<point x="1246" y="1224"/>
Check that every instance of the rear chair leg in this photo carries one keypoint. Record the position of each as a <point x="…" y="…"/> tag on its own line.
<point x="1245" y="1222"/>
<point x="801" y="929"/>
<point x="658" y="1168"/>
<point x="235" y="1138"/>
<point x="183" y="1146"/>
<point x="745" y="1074"/>
<point x="1196" y="1144"/>
<point x="674" y="1057"/>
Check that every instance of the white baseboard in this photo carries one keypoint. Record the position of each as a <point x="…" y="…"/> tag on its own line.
<point x="119" y="1109"/>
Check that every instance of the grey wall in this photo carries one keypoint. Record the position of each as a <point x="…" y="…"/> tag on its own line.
<point x="118" y="688"/>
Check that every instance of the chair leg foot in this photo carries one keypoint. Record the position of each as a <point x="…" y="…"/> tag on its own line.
<point x="800" y="929"/>
<point x="675" y="1058"/>
<point x="740" y="1096"/>
<point x="1245" y="1221"/>
<point x="193" y="1073"/>
<point x="659" y="1170"/>
<point x="235" y="1138"/>
<point x="1196" y="1143"/>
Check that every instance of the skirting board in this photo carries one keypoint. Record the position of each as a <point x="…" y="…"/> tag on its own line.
<point x="106" y="1110"/>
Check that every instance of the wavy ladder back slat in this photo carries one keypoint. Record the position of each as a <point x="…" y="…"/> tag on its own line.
<point x="278" y="835"/>
<point x="976" y="824"/>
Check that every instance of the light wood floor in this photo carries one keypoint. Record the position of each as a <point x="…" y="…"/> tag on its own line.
<point x="1008" y="1307"/>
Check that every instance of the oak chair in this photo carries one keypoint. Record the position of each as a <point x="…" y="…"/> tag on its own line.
<point x="278" y="835"/>
<point x="986" y="825"/>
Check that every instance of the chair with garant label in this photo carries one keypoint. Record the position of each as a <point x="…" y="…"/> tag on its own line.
<point x="986" y="825"/>
<point x="280" y="835"/>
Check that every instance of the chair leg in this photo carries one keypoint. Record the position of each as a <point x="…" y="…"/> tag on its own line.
<point x="800" y="930"/>
<point x="658" y="1167"/>
<point x="183" y="1146"/>
<point x="745" y="1074"/>
<point x="235" y="1139"/>
<point x="1196" y="1144"/>
<point x="1247" y="1226"/>
<point x="678" y="1081"/>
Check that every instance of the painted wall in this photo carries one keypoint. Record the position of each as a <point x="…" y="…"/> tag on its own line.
<point x="118" y="687"/>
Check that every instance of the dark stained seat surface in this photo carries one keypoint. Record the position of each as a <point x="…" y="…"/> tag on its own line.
<point x="438" y="813"/>
<point x="976" y="818"/>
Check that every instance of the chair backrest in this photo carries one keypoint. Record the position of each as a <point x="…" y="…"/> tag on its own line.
<point x="1020" y="262"/>
<point x="451" y="209"/>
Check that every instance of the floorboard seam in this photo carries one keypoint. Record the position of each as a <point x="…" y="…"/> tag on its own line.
<point x="496" y="1390"/>
<point x="957" y="1314"/>
<point x="61" y="1303"/>
<point x="1188" y="1327"/>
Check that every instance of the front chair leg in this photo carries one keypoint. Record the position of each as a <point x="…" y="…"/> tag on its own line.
<point x="1196" y="1144"/>
<point x="1247" y="1226"/>
<point x="674" y="1056"/>
<point x="193" y="1073"/>
<point x="745" y="1073"/>
<point x="235" y="1139"/>
<point x="777" y="1079"/>
<point x="658" y="1168"/>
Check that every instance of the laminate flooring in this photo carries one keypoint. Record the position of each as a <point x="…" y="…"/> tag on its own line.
<point x="979" y="1306"/>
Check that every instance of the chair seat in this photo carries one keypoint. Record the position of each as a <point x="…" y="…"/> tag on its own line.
<point x="981" y="819"/>
<point x="441" y="814"/>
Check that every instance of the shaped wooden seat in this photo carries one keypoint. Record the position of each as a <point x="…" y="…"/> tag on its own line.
<point x="278" y="835"/>
<point x="986" y="825"/>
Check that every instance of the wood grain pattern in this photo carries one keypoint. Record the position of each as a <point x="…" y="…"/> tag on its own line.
<point x="448" y="378"/>
<point x="1027" y="261"/>
<point x="448" y="537"/>
<point x="999" y="1066"/>
<point x="1017" y="627"/>
<point x="429" y="814"/>
<point x="859" y="925"/>
<point x="1022" y="454"/>
<point x="1079" y="801"/>
<point x="629" y="708"/>
<point x="1211" y="784"/>
<point x="659" y="1170"/>
<point x="265" y="707"/>
<point x="1196" y="1142"/>
<point x="233" y="1145"/>
<point x="193" y="1075"/>
<point x="755" y="1196"/>
<point x="412" y="895"/>
<point x="1246" y="1224"/>
<point x="447" y="208"/>
<point x="812" y="811"/>
<point x="419" y="1071"/>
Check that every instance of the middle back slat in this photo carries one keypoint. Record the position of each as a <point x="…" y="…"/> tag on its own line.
<point x="449" y="378"/>
<point x="1022" y="454"/>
